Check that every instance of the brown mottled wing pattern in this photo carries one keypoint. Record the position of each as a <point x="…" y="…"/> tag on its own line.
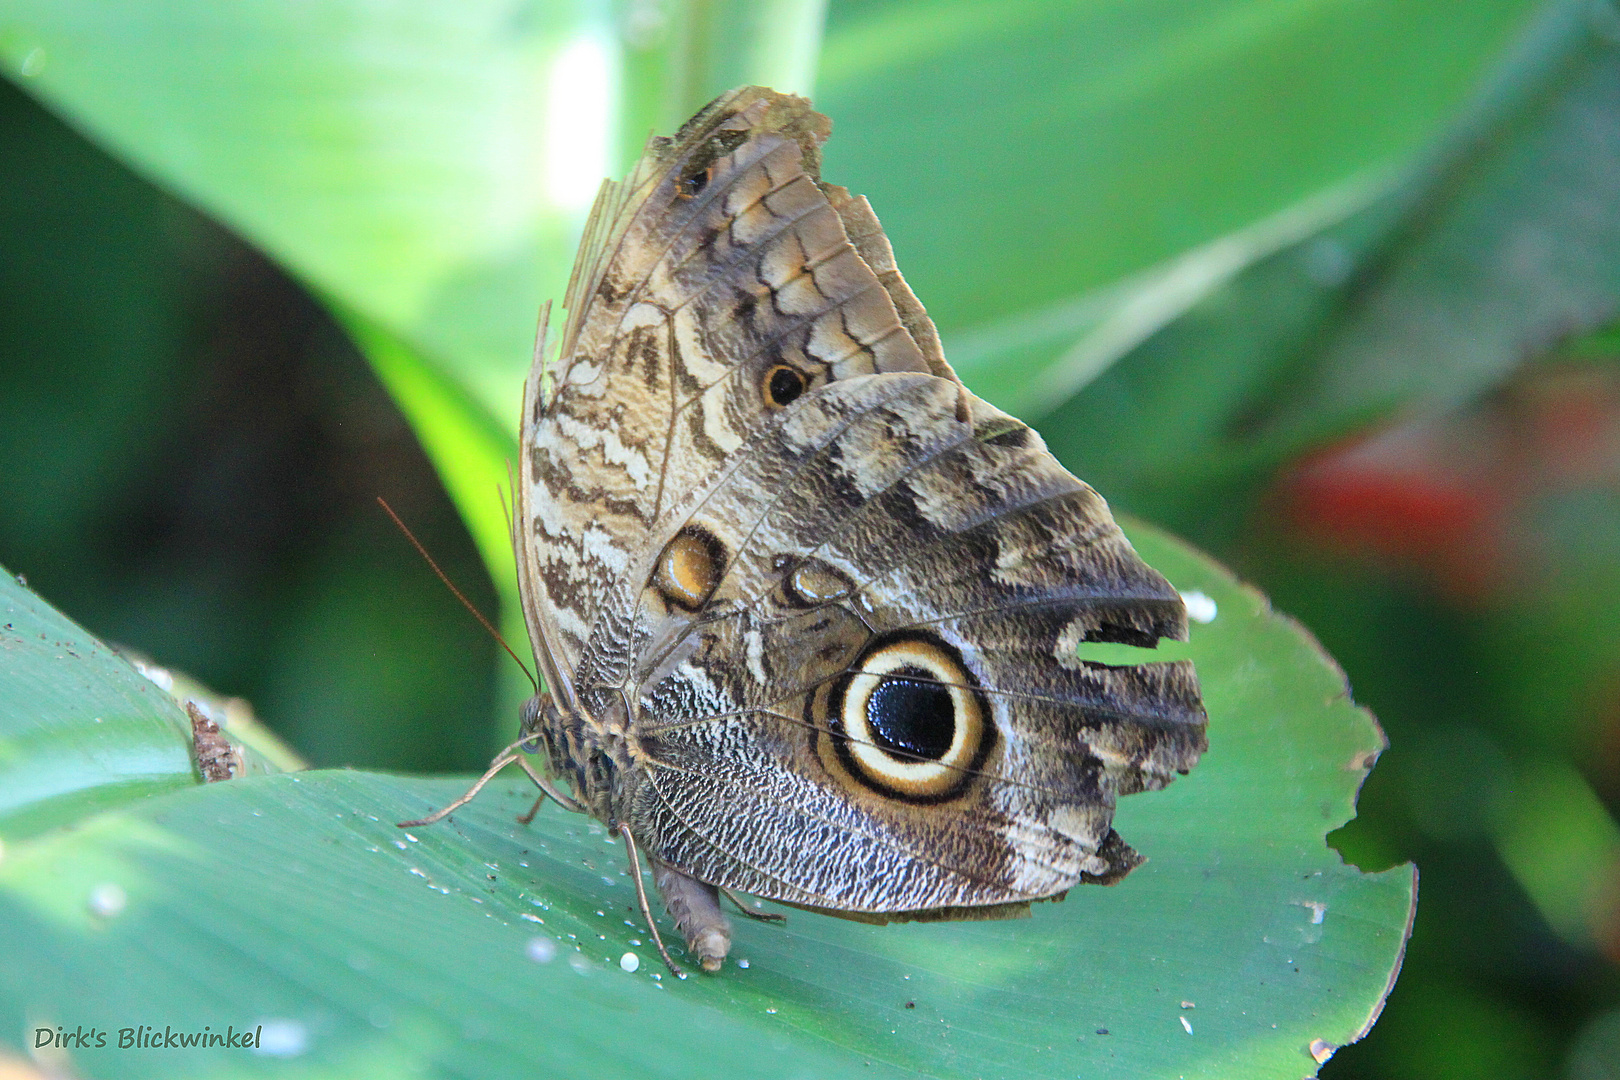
<point x="940" y="516"/>
<point x="720" y="258"/>
<point x="841" y="594"/>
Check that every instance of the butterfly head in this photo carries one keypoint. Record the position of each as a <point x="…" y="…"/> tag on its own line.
<point x="538" y="716"/>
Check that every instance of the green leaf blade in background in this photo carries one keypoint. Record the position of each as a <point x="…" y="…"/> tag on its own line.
<point x="371" y="951"/>
<point x="427" y="166"/>
<point x="1472" y="264"/>
<point x="1070" y="147"/>
<point x="398" y="160"/>
<point x="388" y="155"/>
<point x="1515" y="250"/>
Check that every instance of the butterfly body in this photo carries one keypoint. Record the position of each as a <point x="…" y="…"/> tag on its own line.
<point x="807" y="609"/>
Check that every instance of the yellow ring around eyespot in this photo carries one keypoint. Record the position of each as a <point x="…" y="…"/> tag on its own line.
<point x="908" y="776"/>
<point x="770" y="397"/>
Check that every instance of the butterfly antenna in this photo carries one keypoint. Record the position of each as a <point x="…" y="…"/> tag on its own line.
<point x="506" y="503"/>
<point x="468" y="604"/>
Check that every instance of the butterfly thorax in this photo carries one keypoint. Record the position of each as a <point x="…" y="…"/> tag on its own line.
<point x="590" y="747"/>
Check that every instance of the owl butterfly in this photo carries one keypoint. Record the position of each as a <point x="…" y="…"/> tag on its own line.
<point x="807" y="609"/>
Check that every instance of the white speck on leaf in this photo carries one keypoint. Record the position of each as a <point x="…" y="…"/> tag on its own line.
<point x="629" y="961"/>
<point x="108" y="900"/>
<point x="282" y="1038"/>
<point x="1185" y="1023"/>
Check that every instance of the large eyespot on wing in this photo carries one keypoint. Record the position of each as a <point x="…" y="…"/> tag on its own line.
<point x="908" y="720"/>
<point x="688" y="568"/>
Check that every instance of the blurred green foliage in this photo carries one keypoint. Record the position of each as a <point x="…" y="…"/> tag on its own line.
<point x="1321" y="286"/>
<point x="192" y="451"/>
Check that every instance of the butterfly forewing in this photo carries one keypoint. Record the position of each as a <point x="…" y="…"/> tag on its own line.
<point x="717" y="284"/>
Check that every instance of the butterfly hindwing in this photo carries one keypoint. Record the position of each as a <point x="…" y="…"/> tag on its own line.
<point x="846" y="573"/>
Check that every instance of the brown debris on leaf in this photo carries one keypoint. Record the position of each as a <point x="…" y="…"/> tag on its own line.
<point x="216" y="758"/>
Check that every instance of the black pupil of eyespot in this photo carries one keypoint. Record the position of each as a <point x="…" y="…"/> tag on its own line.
<point x="697" y="182"/>
<point x="786" y="384"/>
<point x="917" y="719"/>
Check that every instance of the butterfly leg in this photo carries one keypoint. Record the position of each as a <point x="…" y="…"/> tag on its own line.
<point x="527" y="817"/>
<point x="641" y="898"/>
<point x="506" y="758"/>
<point x="762" y="916"/>
<point x="547" y="790"/>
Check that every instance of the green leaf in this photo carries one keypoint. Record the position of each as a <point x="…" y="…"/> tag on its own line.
<point x="427" y="167"/>
<point x="1480" y="259"/>
<point x="388" y="155"/>
<point x="80" y="729"/>
<point x="1045" y="169"/>
<point x="291" y="902"/>
<point x="1514" y="249"/>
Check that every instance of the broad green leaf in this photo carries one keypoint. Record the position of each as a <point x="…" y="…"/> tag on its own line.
<point x="1031" y="160"/>
<point x="427" y="166"/>
<point x="1515" y="249"/>
<point x="391" y="155"/>
<point x="1485" y="257"/>
<point x="80" y="729"/>
<point x="84" y="728"/>
<point x="1033" y="360"/>
<point x="289" y="905"/>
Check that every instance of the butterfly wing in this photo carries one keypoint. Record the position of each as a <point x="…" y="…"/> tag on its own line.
<point x="881" y="708"/>
<point x="843" y="593"/>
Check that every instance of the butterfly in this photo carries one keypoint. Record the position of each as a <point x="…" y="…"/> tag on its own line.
<point x="807" y="610"/>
